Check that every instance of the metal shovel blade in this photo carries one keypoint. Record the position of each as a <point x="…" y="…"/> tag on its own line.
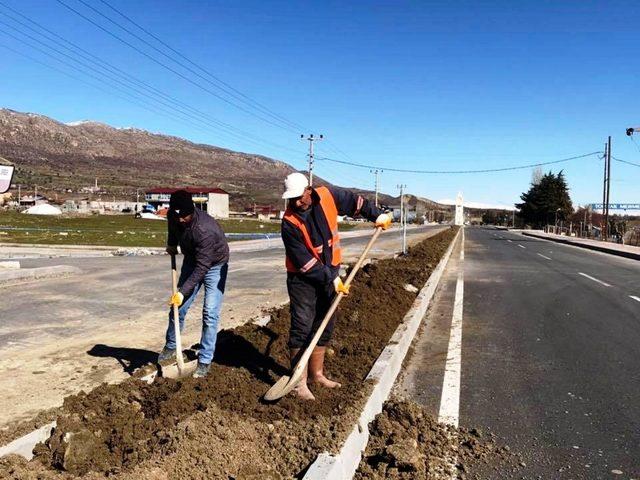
<point x="280" y="389"/>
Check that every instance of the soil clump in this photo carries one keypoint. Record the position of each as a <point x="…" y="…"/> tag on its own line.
<point x="218" y="427"/>
<point x="406" y="443"/>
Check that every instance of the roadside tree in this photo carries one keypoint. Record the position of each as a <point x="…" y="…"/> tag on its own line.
<point x="546" y="201"/>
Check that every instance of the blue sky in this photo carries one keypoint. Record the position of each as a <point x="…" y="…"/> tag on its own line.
<point x="415" y="85"/>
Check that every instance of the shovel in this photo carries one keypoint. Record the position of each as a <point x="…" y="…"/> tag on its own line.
<point x="176" y="317"/>
<point x="288" y="383"/>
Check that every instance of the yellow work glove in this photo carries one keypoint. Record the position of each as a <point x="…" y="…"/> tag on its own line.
<point x="176" y="299"/>
<point x="340" y="287"/>
<point x="383" y="221"/>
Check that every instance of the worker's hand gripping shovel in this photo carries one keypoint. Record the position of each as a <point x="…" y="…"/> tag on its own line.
<point x="288" y="383"/>
<point x="176" y="317"/>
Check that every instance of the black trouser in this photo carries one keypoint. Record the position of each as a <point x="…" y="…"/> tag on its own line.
<point x="309" y="302"/>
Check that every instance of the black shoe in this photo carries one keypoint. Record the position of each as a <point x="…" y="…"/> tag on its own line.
<point x="202" y="370"/>
<point x="166" y="354"/>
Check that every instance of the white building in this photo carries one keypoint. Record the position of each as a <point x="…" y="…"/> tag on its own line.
<point x="214" y="201"/>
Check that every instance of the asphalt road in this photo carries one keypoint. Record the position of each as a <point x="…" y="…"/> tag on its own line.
<point x="60" y="335"/>
<point x="550" y="356"/>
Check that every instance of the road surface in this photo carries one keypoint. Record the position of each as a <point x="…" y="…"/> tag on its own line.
<point x="549" y="358"/>
<point x="58" y="336"/>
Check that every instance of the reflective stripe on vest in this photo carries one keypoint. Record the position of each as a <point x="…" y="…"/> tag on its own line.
<point x="328" y="205"/>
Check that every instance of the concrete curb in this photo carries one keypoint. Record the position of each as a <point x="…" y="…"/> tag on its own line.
<point x="24" y="445"/>
<point x="383" y="374"/>
<point x="37" y="273"/>
<point x="588" y="246"/>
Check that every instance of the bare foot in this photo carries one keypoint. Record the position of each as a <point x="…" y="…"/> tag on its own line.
<point x="325" y="382"/>
<point x="302" y="392"/>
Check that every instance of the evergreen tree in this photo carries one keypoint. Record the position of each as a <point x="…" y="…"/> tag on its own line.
<point x="544" y="199"/>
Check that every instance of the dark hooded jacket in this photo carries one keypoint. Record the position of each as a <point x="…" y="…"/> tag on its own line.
<point x="202" y="243"/>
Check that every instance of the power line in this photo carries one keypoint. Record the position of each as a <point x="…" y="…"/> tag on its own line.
<point x="112" y="70"/>
<point x="234" y="92"/>
<point x="220" y="84"/>
<point x="625" y="161"/>
<point x="158" y="62"/>
<point x="100" y="79"/>
<point x="487" y="170"/>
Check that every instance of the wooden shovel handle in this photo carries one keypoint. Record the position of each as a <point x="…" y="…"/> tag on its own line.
<point x="176" y="315"/>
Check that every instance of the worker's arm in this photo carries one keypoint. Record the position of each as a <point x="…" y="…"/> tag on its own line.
<point x="302" y="258"/>
<point x="354" y="205"/>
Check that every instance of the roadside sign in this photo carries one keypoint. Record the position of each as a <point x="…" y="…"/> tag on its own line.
<point x="6" y="174"/>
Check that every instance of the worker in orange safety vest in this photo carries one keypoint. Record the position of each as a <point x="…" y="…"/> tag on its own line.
<point x="313" y="256"/>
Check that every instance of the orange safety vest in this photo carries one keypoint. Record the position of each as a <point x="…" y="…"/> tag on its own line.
<point x="328" y="205"/>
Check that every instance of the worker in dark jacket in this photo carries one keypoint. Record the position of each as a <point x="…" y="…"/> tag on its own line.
<point x="313" y="256"/>
<point x="205" y="264"/>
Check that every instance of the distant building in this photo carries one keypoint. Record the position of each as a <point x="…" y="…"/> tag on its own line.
<point x="214" y="201"/>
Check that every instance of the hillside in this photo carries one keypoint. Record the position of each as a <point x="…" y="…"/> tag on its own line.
<point x="59" y="157"/>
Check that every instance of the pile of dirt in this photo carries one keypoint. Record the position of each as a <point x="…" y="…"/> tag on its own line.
<point x="407" y="443"/>
<point x="218" y="427"/>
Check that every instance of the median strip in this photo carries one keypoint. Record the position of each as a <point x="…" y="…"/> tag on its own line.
<point x="138" y="429"/>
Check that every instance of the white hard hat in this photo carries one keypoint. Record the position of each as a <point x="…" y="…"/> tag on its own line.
<point x="294" y="185"/>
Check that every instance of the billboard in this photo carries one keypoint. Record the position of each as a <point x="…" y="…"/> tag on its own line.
<point x="6" y="174"/>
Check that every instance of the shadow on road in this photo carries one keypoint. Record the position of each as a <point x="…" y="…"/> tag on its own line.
<point x="130" y="359"/>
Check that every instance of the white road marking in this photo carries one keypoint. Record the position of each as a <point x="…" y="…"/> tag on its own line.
<point x="521" y="246"/>
<point x="594" y="279"/>
<point x="462" y="246"/>
<point x="510" y="241"/>
<point x="544" y="256"/>
<point x="637" y="299"/>
<point x="239" y="269"/>
<point x="450" y="401"/>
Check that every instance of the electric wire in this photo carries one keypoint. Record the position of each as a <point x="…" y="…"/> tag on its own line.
<point x="438" y="172"/>
<point x="233" y="91"/>
<point x="158" y="62"/>
<point x="112" y="70"/>
<point x="625" y="161"/>
<point x="294" y="127"/>
<point x="100" y="80"/>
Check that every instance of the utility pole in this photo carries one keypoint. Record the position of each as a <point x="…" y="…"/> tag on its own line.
<point x="403" y="218"/>
<point x="19" y="194"/>
<point x="606" y="219"/>
<point x="376" y="172"/>
<point x="310" y="138"/>
<point x="604" y="195"/>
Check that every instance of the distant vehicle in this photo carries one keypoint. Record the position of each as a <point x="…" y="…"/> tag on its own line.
<point x="148" y="208"/>
<point x="126" y="210"/>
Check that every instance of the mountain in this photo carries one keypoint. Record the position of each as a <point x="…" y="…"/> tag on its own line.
<point x="59" y="157"/>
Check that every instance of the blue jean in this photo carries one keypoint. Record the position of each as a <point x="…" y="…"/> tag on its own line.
<point x="214" y="283"/>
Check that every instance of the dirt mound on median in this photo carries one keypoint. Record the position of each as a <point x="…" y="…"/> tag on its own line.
<point x="407" y="443"/>
<point x="218" y="427"/>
